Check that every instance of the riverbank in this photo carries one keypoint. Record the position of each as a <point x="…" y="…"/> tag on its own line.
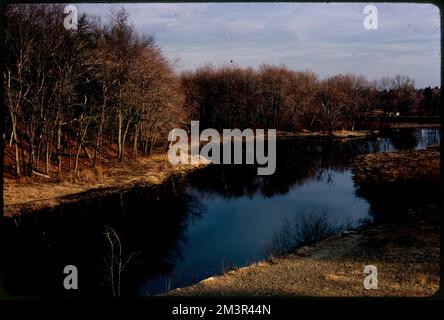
<point x="404" y="248"/>
<point x="36" y="193"/>
<point x="335" y="267"/>
<point x="405" y="125"/>
<point x="338" y="134"/>
<point x="27" y="195"/>
<point x="399" y="166"/>
<point x="40" y="192"/>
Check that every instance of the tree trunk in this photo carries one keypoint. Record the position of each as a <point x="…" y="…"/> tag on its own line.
<point x="120" y="152"/>
<point x="136" y="134"/>
<point x="76" y="163"/>
<point x="47" y="158"/>
<point x="59" y="147"/>
<point x="31" y="159"/>
<point x="97" y="154"/>
<point x="14" y="133"/>
<point x="23" y="162"/>
<point x="70" y="156"/>
<point x="145" y="147"/>
<point x="124" y="137"/>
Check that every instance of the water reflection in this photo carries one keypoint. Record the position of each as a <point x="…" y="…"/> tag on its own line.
<point x="396" y="201"/>
<point x="150" y="222"/>
<point x="402" y="139"/>
<point x="401" y="201"/>
<point x="188" y="229"/>
<point x="298" y="161"/>
<point x="303" y="160"/>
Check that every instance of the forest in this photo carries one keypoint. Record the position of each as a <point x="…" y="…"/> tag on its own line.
<point x="76" y="97"/>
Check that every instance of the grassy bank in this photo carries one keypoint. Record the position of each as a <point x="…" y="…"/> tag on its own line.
<point x="338" y="134"/>
<point x="401" y="166"/>
<point x="334" y="267"/>
<point x="405" y="248"/>
<point x="26" y="194"/>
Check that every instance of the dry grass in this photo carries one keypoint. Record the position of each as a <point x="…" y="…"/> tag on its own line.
<point x="27" y="194"/>
<point x="400" y="166"/>
<point x="338" y="134"/>
<point x="335" y="267"/>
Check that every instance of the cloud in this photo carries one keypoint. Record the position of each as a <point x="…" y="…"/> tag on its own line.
<point x="245" y="25"/>
<point x="326" y="38"/>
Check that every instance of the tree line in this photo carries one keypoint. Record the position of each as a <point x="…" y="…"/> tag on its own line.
<point x="70" y="92"/>
<point x="79" y="94"/>
<point x="277" y="97"/>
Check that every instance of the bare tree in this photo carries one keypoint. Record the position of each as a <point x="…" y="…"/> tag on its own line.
<point x="116" y="262"/>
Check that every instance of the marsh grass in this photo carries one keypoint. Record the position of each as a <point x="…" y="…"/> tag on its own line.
<point x="301" y="230"/>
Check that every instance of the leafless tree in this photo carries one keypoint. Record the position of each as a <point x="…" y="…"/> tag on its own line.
<point x="116" y="262"/>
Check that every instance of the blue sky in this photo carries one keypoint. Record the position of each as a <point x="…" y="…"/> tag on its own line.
<point x="325" y="38"/>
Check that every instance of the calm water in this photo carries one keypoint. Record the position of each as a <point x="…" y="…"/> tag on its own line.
<point x="191" y="228"/>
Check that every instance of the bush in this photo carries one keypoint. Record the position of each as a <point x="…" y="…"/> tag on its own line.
<point x="302" y="230"/>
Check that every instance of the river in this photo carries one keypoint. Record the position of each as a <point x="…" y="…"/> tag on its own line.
<point x="216" y="218"/>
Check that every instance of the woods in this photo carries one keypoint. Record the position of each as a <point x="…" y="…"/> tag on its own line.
<point x="280" y="98"/>
<point x="105" y="89"/>
<point x="73" y="93"/>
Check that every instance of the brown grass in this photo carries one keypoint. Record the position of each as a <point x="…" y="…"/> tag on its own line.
<point x="400" y="166"/>
<point x="338" y="134"/>
<point x="29" y="194"/>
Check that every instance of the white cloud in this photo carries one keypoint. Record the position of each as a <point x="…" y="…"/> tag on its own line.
<point x="327" y="38"/>
<point x="245" y="25"/>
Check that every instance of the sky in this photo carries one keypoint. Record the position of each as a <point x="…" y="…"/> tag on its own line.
<point x="325" y="38"/>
